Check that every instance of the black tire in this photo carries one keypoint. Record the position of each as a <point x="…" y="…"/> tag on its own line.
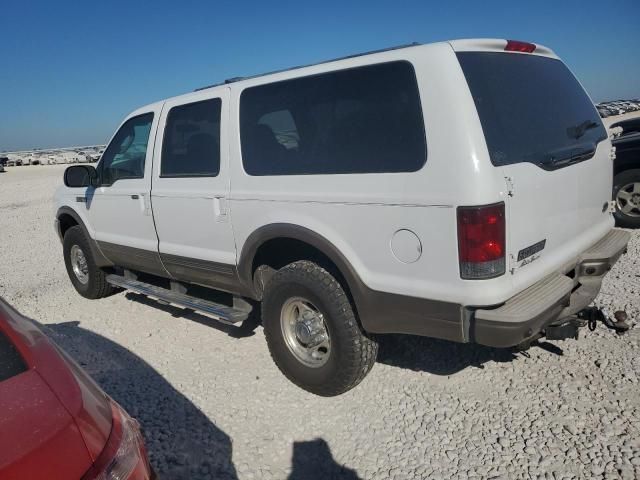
<point x="352" y="353"/>
<point x="619" y="181"/>
<point x="96" y="286"/>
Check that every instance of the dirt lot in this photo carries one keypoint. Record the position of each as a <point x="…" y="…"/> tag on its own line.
<point x="213" y="405"/>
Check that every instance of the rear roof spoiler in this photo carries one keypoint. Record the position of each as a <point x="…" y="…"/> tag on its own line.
<point x="495" y="45"/>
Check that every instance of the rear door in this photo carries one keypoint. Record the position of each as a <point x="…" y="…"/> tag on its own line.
<point x="545" y="136"/>
<point x="191" y="188"/>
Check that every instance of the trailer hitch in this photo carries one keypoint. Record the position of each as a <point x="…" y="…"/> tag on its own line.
<point x="593" y="315"/>
<point x="570" y="327"/>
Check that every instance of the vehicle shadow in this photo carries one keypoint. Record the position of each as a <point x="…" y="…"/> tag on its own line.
<point x="245" y="329"/>
<point x="441" y="357"/>
<point x="411" y="352"/>
<point x="182" y="442"/>
<point x="312" y="460"/>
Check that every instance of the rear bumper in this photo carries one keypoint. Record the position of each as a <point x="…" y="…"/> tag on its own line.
<point x="551" y="300"/>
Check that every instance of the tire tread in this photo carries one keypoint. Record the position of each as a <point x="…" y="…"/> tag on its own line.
<point x="98" y="286"/>
<point x="362" y="354"/>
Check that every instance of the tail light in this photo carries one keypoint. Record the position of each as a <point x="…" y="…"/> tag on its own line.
<point x="481" y="241"/>
<point x="124" y="456"/>
<point x="518" y="46"/>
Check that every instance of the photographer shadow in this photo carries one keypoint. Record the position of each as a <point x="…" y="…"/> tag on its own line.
<point x="312" y="460"/>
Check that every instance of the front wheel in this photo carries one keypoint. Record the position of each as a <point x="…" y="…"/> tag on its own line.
<point x="626" y="193"/>
<point x="312" y="332"/>
<point x="88" y="279"/>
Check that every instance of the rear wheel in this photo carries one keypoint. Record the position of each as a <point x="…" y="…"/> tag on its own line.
<point x="626" y="194"/>
<point x="312" y="331"/>
<point x="88" y="280"/>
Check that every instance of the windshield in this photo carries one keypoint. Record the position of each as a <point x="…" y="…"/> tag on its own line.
<point x="532" y="109"/>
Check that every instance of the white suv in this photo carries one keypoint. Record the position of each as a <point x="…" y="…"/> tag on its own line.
<point x="457" y="190"/>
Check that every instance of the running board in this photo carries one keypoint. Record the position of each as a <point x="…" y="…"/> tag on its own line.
<point x="223" y="313"/>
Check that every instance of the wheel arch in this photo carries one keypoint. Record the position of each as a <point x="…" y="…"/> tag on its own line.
<point x="294" y="242"/>
<point x="67" y="218"/>
<point x="626" y="162"/>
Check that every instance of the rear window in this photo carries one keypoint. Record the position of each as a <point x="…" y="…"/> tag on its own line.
<point x="532" y="109"/>
<point x="11" y="363"/>
<point x="360" y="120"/>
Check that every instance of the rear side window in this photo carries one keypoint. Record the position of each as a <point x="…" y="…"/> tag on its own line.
<point x="191" y="145"/>
<point x="283" y="127"/>
<point x="532" y="109"/>
<point x="11" y="363"/>
<point x="361" y="120"/>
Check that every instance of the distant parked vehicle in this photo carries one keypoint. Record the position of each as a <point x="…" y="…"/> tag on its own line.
<point x="626" y="181"/>
<point x="56" y="421"/>
<point x="617" y="107"/>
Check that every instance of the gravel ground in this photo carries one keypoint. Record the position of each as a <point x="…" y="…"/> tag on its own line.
<point x="213" y="405"/>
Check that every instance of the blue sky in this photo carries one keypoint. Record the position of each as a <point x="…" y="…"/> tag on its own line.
<point x="69" y="71"/>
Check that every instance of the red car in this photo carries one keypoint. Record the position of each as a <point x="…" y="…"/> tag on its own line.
<point x="55" y="422"/>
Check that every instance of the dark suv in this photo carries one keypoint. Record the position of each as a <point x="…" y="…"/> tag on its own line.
<point x="626" y="181"/>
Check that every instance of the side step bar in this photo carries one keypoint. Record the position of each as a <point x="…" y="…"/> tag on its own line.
<point x="223" y="313"/>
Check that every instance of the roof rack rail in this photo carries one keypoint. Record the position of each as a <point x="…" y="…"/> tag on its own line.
<point x="237" y="79"/>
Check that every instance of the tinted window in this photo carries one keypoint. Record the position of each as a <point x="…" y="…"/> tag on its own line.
<point x="125" y="156"/>
<point x="283" y="127"/>
<point x="191" y="145"/>
<point x="361" y="120"/>
<point x="532" y="109"/>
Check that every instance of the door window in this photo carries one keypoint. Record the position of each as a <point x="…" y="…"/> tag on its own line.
<point x="125" y="156"/>
<point x="191" y="145"/>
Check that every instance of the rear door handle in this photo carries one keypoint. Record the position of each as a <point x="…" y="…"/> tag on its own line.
<point x="220" y="208"/>
<point x="135" y="197"/>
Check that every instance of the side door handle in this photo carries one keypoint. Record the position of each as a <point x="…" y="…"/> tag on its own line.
<point x="220" y="208"/>
<point x="145" y="203"/>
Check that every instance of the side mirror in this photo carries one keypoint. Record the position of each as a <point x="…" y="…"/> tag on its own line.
<point x="78" y="176"/>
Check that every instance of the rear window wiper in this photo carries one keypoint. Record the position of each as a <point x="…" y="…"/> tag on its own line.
<point x="557" y="161"/>
<point x="579" y="130"/>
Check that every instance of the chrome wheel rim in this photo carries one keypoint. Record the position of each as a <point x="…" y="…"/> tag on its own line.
<point x="305" y="332"/>
<point x="628" y="199"/>
<point x="79" y="265"/>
